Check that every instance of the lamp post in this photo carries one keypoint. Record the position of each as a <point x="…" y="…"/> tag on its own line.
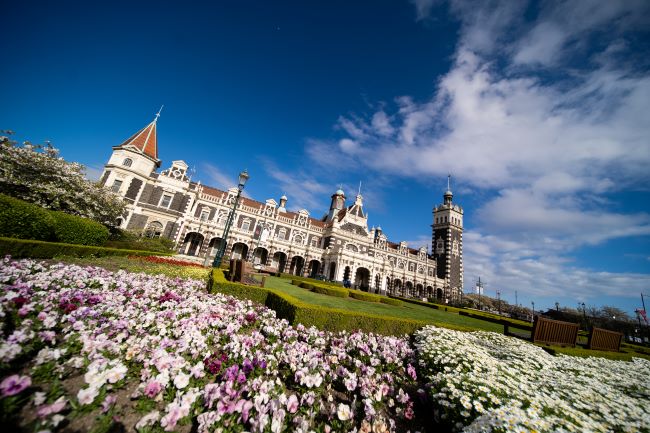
<point x="243" y="177"/>
<point x="533" y="302"/>
<point x="584" y="313"/>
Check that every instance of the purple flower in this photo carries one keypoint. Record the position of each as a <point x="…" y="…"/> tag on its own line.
<point x="14" y="384"/>
<point x="411" y="371"/>
<point x="152" y="389"/>
<point x="292" y="404"/>
<point x="108" y="402"/>
<point x="247" y="366"/>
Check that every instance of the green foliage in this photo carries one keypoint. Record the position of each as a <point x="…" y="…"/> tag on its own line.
<point x="391" y="301"/>
<point x="331" y="291"/>
<point x="19" y="219"/>
<point x="364" y="296"/>
<point x="72" y="229"/>
<point x="134" y="241"/>
<point x="21" y="248"/>
<point x="36" y="174"/>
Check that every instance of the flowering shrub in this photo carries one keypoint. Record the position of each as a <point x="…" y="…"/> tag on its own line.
<point x="166" y="260"/>
<point x="83" y="347"/>
<point x="487" y="382"/>
<point x="37" y="174"/>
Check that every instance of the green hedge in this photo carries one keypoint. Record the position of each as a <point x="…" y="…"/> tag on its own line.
<point x="23" y="248"/>
<point x="19" y="219"/>
<point x="71" y="229"/>
<point x="391" y="301"/>
<point x="363" y="296"/>
<point x="22" y="220"/>
<point x="331" y="319"/>
<point x="330" y="291"/>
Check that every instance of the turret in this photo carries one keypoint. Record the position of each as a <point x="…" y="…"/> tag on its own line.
<point x="337" y="204"/>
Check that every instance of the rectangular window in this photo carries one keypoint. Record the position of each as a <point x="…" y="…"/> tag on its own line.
<point x="204" y="215"/>
<point x="116" y="185"/>
<point x="166" y="200"/>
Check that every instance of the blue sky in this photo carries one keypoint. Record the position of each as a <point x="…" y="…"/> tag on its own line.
<point x="540" y="111"/>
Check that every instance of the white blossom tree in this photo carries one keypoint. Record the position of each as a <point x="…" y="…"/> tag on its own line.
<point x="36" y="173"/>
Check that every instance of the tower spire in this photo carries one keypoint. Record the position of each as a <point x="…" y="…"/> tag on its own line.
<point x="158" y="113"/>
<point x="449" y="182"/>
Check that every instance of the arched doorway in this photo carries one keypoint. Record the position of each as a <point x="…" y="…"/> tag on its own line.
<point x="362" y="279"/>
<point x="239" y="251"/>
<point x="260" y="255"/>
<point x="332" y="273"/>
<point x="297" y="263"/>
<point x="279" y="261"/>
<point x="439" y="293"/>
<point x="409" y="288"/>
<point x="314" y="266"/>
<point x="214" y="245"/>
<point x="192" y="244"/>
<point x="419" y="289"/>
<point x="429" y="291"/>
<point x="397" y="287"/>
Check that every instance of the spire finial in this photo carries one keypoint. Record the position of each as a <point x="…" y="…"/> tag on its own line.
<point x="449" y="182"/>
<point x="359" y="193"/>
<point x="158" y="113"/>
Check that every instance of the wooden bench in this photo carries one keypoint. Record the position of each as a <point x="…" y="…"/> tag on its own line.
<point x="554" y="332"/>
<point x="603" y="339"/>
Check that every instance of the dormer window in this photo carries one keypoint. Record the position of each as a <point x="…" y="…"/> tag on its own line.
<point x="127" y="162"/>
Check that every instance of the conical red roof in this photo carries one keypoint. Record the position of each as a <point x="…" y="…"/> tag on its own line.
<point x="145" y="140"/>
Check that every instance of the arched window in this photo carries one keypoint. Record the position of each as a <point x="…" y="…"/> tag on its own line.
<point x="282" y="234"/>
<point x="297" y="239"/>
<point x="221" y="219"/>
<point x="246" y="225"/>
<point x="154" y="229"/>
<point x="127" y="162"/>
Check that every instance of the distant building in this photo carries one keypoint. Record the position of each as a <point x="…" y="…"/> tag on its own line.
<point x="338" y="245"/>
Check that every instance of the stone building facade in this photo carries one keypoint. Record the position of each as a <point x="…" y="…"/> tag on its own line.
<point x="338" y="246"/>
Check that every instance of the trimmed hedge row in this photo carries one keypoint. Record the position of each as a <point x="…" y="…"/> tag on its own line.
<point x="295" y="311"/>
<point x="363" y="296"/>
<point x="330" y="291"/>
<point x="23" y="220"/>
<point x="391" y="301"/>
<point x="26" y="248"/>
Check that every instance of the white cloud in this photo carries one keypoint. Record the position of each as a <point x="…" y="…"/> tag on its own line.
<point x="549" y="150"/>
<point x="302" y="190"/>
<point x="217" y="178"/>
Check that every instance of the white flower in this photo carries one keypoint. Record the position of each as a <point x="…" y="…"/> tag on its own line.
<point x="343" y="412"/>
<point x="87" y="395"/>
<point x="181" y="380"/>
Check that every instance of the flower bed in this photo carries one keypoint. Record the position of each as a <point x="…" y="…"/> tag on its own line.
<point x="487" y="382"/>
<point x="85" y="348"/>
<point x="166" y="261"/>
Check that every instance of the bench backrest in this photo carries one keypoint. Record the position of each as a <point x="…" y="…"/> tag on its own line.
<point x="604" y="339"/>
<point x="554" y="332"/>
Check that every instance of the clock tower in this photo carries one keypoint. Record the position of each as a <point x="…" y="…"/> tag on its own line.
<point x="447" y="244"/>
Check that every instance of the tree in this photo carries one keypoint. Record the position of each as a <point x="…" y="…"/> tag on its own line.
<point x="36" y="173"/>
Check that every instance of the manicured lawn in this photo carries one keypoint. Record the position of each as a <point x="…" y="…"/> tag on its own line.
<point x="407" y="311"/>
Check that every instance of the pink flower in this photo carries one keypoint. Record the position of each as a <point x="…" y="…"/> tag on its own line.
<point x="14" y="384"/>
<point x="49" y="409"/>
<point x="292" y="404"/>
<point x="152" y="389"/>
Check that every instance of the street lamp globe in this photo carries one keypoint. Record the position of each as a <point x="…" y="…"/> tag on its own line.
<point x="243" y="177"/>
